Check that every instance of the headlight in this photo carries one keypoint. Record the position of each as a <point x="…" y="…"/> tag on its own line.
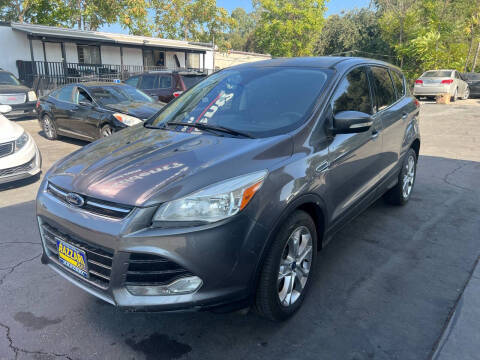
<point x="213" y="203"/>
<point x="127" y="119"/>
<point x="32" y="96"/>
<point x="21" y="141"/>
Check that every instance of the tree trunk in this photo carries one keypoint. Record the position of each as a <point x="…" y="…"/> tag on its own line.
<point x="468" y="55"/>
<point x="476" y="56"/>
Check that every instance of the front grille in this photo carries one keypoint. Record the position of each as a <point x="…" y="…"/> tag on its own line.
<point x="152" y="270"/>
<point x="18" y="169"/>
<point x="99" y="207"/>
<point x="99" y="259"/>
<point x="13" y="99"/>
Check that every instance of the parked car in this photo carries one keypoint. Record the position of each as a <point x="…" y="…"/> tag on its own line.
<point x="92" y="110"/>
<point x="19" y="155"/>
<point x="21" y="98"/>
<point x="166" y="85"/>
<point x="473" y="81"/>
<point x="437" y="82"/>
<point x="224" y="197"/>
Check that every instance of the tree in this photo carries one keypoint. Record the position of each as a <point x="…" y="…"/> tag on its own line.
<point x="355" y="32"/>
<point x="199" y="20"/>
<point x="289" y="27"/>
<point x="53" y="12"/>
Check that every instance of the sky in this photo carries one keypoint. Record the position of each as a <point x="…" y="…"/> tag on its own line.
<point x="334" y="7"/>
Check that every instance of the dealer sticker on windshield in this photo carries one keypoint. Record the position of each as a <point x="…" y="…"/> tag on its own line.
<point x="72" y="257"/>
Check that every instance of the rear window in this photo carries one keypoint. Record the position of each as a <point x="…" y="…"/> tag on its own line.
<point x="438" y="73"/>
<point x="192" y="80"/>
<point x="149" y="82"/>
<point x="398" y="82"/>
<point x="472" y="76"/>
<point x="385" y="92"/>
<point x="260" y="101"/>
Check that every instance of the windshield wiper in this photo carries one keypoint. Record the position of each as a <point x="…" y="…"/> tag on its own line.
<point x="212" y="128"/>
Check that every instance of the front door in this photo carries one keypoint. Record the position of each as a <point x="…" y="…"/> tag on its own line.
<point x="353" y="158"/>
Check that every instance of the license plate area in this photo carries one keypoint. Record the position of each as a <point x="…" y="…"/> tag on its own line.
<point x="72" y="257"/>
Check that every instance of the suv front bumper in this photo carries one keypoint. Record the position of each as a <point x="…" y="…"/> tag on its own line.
<point x="223" y="255"/>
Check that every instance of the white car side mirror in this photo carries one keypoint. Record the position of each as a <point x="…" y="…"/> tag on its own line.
<point x="5" y="109"/>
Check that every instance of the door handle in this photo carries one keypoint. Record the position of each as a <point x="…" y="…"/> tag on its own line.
<point x="404" y="116"/>
<point x="375" y="134"/>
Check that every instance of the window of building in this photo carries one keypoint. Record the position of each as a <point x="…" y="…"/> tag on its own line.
<point x="88" y="54"/>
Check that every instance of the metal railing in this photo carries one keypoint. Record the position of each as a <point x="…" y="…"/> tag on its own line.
<point x="44" y="76"/>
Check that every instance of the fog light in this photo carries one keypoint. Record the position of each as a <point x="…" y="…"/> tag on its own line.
<point x="181" y="286"/>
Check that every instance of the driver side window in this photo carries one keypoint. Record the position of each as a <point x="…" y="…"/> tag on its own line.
<point x="353" y="93"/>
<point x="80" y="96"/>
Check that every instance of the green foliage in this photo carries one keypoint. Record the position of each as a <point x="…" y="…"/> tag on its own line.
<point x="355" y="32"/>
<point x="289" y="27"/>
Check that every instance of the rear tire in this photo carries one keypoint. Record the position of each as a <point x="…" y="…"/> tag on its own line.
<point x="455" y="95"/>
<point x="49" y="128"/>
<point x="400" y="193"/>
<point x="288" y="268"/>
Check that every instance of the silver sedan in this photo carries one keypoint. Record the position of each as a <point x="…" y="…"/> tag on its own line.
<point x="436" y="82"/>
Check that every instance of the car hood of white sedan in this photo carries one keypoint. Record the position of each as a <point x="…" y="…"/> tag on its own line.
<point x="9" y="130"/>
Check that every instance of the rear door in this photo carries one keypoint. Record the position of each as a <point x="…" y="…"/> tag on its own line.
<point x="354" y="164"/>
<point x="392" y="107"/>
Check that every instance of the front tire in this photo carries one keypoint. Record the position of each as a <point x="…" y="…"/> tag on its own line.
<point x="49" y="128"/>
<point x="467" y="94"/>
<point x="106" y="131"/>
<point x="288" y="268"/>
<point x="400" y="193"/>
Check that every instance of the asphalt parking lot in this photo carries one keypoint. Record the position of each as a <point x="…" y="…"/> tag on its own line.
<point x="384" y="288"/>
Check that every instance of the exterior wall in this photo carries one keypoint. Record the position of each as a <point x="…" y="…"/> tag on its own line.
<point x="226" y="59"/>
<point x="15" y="46"/>
<point x="170" y="60"/>
<point x="71" y="52"/>
<point x="111" y="55"/>
<point x="53" y="51"/>
<point x="132" y="56"/>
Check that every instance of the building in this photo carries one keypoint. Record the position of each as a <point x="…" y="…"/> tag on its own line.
<point x="233" y="57"/>
<point x="56" y="54"/>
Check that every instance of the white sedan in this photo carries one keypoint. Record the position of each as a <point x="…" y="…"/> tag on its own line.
<point x="19" y="155"/>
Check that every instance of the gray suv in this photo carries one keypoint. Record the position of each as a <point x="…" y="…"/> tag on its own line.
<point x="224" y="197"/>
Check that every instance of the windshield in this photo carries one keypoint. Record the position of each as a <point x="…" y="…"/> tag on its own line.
<point x="258" y="101"/>
<point x="114" y="94"/>
<point x="8" y="79"/>
<point x="438" y="73"/>
<point x="191" y="80"/>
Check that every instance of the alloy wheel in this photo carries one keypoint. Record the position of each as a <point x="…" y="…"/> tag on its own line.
<point x="409" y="177"/>
<point x="294" y="266"/>
<point x="48" y="127"/>
<point x="107" y="131"/>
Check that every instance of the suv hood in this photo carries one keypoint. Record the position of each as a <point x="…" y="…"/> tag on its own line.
<point x="13" y="89"/>
<point x="141" y="110"/>
<point x="143" y="167"/>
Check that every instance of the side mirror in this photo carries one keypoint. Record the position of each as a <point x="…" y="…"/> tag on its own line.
<point x="5" y="109"/>
<point x="348" y="122"/>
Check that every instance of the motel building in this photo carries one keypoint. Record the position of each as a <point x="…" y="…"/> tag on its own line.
<point x="51" y="56"/>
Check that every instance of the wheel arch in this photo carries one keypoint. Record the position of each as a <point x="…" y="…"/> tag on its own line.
<point x="416" y="146"/>
<point x="313" y="205"/>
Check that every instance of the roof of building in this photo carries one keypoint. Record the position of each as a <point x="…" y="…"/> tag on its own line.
<point x="42" y="31"/>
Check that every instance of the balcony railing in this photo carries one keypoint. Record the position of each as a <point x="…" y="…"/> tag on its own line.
<point x="44" y="76"/>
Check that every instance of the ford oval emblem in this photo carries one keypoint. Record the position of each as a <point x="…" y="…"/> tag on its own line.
<point x="74" y="199"/>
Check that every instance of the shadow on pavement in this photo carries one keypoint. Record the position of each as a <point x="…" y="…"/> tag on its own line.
<point x="383" y="289"/>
